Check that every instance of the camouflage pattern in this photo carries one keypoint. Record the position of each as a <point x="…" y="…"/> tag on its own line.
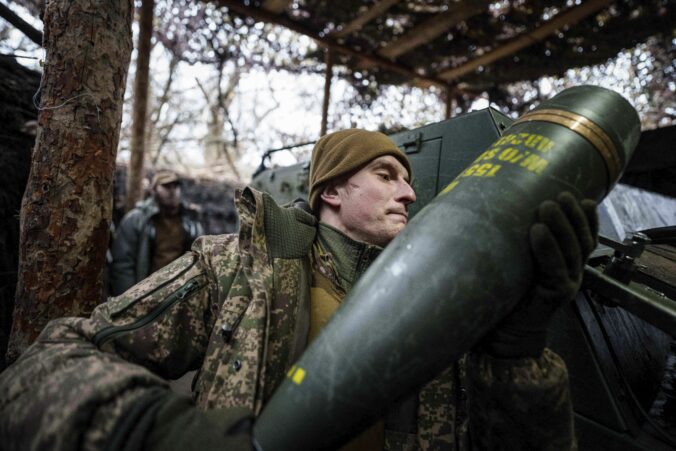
<point x="236" y="308"/>
<point x="441" y="424"/>
<point x="507" y="392"/>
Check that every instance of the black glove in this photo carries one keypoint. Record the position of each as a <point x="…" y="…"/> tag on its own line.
<point x="561" y="240"/>
<point x="181" y="426"/>
<point x="164" y="421"/>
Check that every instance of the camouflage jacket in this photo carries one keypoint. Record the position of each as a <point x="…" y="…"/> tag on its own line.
<point x="236" y="309"/>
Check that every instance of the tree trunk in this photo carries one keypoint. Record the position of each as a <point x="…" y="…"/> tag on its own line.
<point x="67" y="206"/>
<point x="139" y="116"/>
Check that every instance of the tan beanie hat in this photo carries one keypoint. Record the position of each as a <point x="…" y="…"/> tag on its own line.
<point x="340" y="152"/>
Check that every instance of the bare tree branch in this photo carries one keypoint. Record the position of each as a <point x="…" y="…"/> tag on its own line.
<point x="20" y="24"/>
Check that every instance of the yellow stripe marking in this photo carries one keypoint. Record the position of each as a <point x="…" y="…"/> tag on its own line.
<point x="585" y="128"/>
<point x="298" y="376"/>
<point x="450" y="186"/>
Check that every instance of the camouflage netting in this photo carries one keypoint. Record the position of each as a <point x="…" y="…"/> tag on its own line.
<point x="592" y="40"/>
<point x="214" y="199"/>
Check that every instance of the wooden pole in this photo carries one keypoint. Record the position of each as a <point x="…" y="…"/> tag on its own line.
<point x="376" y="10"/>
<point x="328" y="58"/>
<point x="448" y="92"/>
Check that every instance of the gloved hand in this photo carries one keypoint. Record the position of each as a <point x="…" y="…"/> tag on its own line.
<point x="561" y="240"/>
<point x="181" y="426"/>
<point x="165" y="421"/>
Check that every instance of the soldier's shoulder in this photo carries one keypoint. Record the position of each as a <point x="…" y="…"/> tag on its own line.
<point x="133" y="220"/>
<point x="141" y="212"/>
<point x="215" y="245"/>
<point x="192" y="209"/>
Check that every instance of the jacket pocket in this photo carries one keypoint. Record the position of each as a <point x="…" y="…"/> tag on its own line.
<point x="151" y="303"/>
<point x="152" y="285"/>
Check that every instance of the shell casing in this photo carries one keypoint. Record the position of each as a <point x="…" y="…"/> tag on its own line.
<point x="458" y="268"/>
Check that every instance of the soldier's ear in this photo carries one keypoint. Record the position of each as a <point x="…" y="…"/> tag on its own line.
<point x="330" y="194"/>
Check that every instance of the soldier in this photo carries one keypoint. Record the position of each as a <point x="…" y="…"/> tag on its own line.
<point x="241" y="309"/>
<point x="154" y="233"/>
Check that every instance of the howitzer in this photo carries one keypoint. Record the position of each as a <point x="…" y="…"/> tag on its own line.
<point x="614" y="284"/>
<point x="619" y="342"/>
<point x="410" y="315"/>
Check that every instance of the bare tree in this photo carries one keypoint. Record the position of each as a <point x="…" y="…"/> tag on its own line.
<point x="161" y="104"/>
<point x="67" y="205"/>
<point x="216" y="145"/>
<point x="136" y="163"/>
<point x="27" y="29"/>
<point x="169" y="113"/>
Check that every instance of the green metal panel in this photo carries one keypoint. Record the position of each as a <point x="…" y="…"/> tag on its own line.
<point x="425" y="164"/>
<point x="284" y="184"/>
<point x="438" y="153"/>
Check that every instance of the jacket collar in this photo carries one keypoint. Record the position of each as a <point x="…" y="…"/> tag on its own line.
<point x="289" y="231"/>
<point x="349" y="258"/>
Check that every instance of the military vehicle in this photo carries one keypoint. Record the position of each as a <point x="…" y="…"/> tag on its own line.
<point x="617" y="337"/>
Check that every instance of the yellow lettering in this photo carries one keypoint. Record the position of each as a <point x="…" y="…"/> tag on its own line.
<point x="488" y="154"/>
<point x="483" y="169"/>
<point x="470" y="170"/>
<point x="519" y="157"/>
<point x="534" y="164"/>
<point x="493" y="171"/>
<point x="508" y="154"/>
<point x="533" y="141"/>
<point x="515" y="140"/>
<point x="507" y="139"/>
<point x="546" y="146"/>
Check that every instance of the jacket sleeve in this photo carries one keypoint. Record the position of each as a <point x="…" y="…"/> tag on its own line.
<point x="124" y="252"/>
<point x="73" y="387"/>
<point x="520" y="403"/>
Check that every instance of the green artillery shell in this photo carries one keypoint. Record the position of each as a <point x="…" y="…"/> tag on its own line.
<point x="457" y="269"/>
